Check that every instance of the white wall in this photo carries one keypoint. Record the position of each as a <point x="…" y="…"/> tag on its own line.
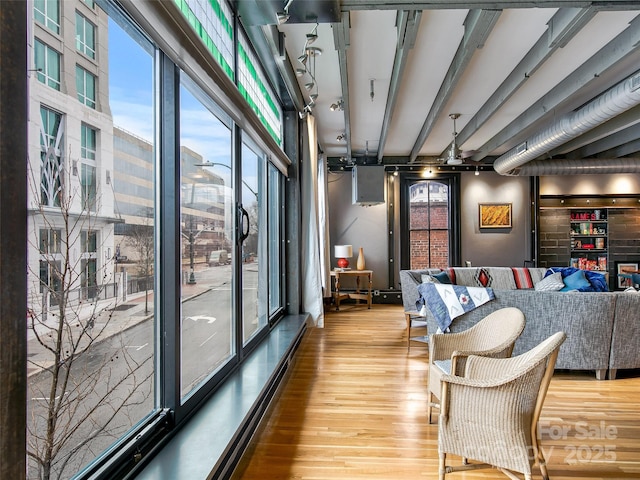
<point x="359" y="226"/>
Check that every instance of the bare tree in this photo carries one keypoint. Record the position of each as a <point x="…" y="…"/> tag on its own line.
<point x="88" y="389"/>
<point x="140" y="238"/>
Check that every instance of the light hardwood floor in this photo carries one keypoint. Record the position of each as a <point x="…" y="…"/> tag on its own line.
<point x="354" y="407"/>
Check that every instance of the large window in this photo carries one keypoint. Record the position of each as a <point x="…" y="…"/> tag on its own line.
<point x="146" y="284"/>
<point x="86" y="87"/>
<point x="254" y="245"/>
<point x="47" y="12"/>
<point x="276" y="237"/>
<point x="85" y="36"/>
<point x="429" y="224"/>
<point x="47" y="62"/>
<point x="90" y="383"/>
<point x="207" y="223"/>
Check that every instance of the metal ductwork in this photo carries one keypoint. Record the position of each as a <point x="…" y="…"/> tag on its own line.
<point x="613" y="102"/>
<point x="578" y="167"/>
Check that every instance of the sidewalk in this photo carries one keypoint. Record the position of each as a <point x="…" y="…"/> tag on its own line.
<point x="111" y="317"/>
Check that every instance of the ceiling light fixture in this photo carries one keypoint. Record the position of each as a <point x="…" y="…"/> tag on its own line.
<point x="477" y="171"/>
<point x="454" y="157"/>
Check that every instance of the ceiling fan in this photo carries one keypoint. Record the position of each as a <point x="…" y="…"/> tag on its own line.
<point x="454" y="155"/>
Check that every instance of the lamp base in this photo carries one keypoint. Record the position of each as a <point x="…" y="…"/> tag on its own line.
<point x="343" y="262"/>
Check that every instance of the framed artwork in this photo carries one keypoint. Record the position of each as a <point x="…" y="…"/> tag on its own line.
<point x="495" y="215"/>
<point x="625" y="268"/>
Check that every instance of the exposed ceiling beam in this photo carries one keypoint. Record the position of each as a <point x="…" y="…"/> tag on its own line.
<point x="625" y="44"/>
<point x="347" y="5"/>
<point x="408" y="23"/>
<point x="630" y="148"/>
<point x="342" y="41"/>
<point x="561" y="28"/>
<point x="478" y="25"/>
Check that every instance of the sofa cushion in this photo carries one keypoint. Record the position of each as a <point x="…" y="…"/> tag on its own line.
<point x="550" y="283"/>
<point x="575" y="281"/>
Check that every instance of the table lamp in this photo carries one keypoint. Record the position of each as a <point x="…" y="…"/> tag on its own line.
<point x="343" y="253"/>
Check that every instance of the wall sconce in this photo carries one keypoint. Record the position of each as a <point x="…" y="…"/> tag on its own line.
<point x="342" y="254"/>
<point x="477" y="171"/>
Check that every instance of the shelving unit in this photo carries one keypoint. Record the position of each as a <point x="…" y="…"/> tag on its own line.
<point x="589" y="239"/>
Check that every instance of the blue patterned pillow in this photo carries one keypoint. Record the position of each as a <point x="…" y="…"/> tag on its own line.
<point x="575" y="281"/>
<point x="597" y="281"/>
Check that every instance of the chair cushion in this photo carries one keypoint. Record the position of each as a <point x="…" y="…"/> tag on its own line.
<point x="444" y="365"/>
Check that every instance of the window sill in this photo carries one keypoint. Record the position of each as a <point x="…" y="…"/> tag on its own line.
<point x="211" y="442"/>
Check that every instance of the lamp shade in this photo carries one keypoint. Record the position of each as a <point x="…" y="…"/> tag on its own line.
<point x="343" y="252"/>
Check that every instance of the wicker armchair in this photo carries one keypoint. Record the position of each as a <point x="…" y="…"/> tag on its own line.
<point x="493" y="336"/>
<point x="491" y="414"/>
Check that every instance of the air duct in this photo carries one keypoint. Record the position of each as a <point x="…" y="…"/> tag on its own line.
<point x="613" y="102"/>
<point x="579" y="167"/>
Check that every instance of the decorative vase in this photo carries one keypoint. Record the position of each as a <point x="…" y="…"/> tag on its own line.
<point x="360" y="264"/>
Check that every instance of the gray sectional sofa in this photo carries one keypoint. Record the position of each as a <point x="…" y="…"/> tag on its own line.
<point x="603" y="328"/>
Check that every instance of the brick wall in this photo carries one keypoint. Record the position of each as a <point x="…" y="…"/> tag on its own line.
<point x="426" y="243"/>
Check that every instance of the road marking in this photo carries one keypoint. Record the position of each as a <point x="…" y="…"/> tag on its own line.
<point x="210" y="337"/>
<point x="47" y="398"/>
<point x="138" y="347"/>
<point x="195" y="318"/>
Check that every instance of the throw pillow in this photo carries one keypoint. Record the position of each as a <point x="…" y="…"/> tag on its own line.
<point x="550" y="283"/>
<point x="522" y="277"/>
<point x="429" y="279"/>
<point x="442" y="277"/>
<point x="482" y="278"/>
<point x="575" y="281"/>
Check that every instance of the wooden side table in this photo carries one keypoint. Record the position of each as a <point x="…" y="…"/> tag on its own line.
<point x="358" y="294"/>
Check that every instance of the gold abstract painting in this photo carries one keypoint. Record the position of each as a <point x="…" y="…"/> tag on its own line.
<point x="495" y="215"/>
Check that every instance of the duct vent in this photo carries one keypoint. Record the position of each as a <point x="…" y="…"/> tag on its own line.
<point x="635" y="82"/>
<point x="521" y="148"/>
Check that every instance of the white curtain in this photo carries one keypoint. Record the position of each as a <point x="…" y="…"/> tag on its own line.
<point x="323" y="225"/>
<point x="312" y="256"/>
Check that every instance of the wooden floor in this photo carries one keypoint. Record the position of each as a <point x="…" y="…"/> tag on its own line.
<point x="354" y="407"/>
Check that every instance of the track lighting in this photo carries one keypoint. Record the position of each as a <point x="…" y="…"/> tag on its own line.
<point x="477" y="171"/>
<point x="339" y="105"/>
<point x="283" y="15"/>
<point x="309" y="85"/>
<point x="300" y="71"/>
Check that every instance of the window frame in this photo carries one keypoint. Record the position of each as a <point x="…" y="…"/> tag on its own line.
<point x="82" y="45"/>
<point x="43" y="65"/>
<point x="82" y="74"/>
<point x="43" y="16"/>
